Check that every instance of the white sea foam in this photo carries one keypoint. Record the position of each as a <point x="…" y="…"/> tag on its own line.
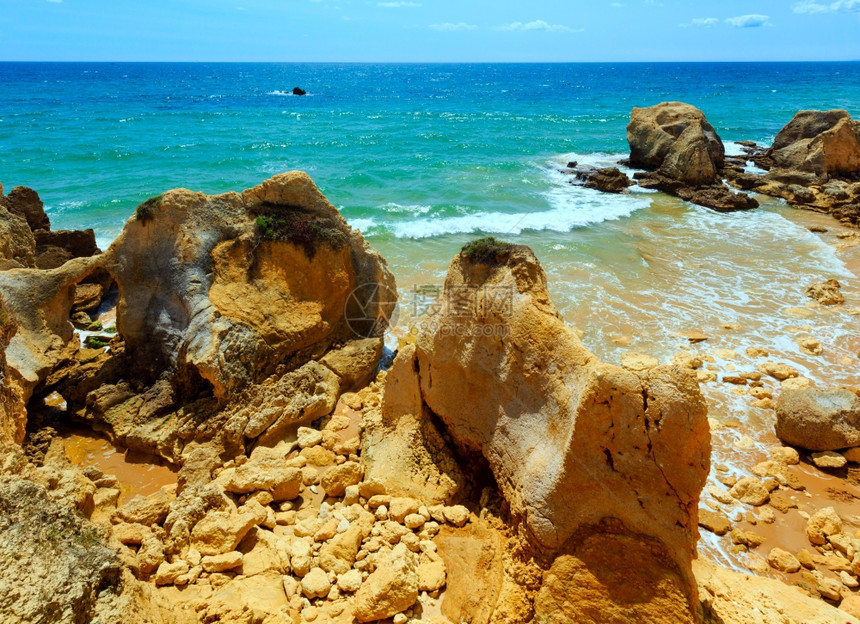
<point x="395" y="208"/>
<point x="733" y="148"/>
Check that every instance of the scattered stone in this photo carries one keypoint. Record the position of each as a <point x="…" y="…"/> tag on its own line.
<point x="720" y="494"/>
<point x="349" y="581"/>
<point x="638" y="361"/>
<point x="219" y="563"/>
<point x="821" y="524"/>
<point x="750" y="491"/>
<point x="756" y="352"/>
<point x="784" y="455"/>
<point x="826" y="293"/>
<point x="810" y="346"/>
<point x="783" y="561"/>
<point x="777" y="370"/>
<point x="714" y="522"/>
<point x="458" y="515"/>
<point x="829" y="459"/>
<point x="827" y="587"/>
<point x="746" y="538"/>
<point x="431" y="576"/>
<point x="819" y="420"/>
<point x="167" y="573"/>
<point x="390" y="589"/>
<point x="338" y="478"/>
<point x="308" y="437"/>
<point x="315" y="584"/>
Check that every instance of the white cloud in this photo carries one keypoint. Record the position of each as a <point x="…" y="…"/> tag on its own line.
<point x="55" y="1"/>
<point x="449" y="27"/>
<point x="617" y="5"/>
<point x="397" y="5"/>
<point x="840" y="6"/>
<point x="538" y="25"/>
<point x="749" y="21"/>
<point x="707" y="22"/>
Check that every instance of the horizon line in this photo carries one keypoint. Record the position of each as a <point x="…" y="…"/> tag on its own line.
<point x="436" y="62"/>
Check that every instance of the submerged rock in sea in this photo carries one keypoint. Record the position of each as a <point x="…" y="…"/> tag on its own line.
<point x="592" y="459"/>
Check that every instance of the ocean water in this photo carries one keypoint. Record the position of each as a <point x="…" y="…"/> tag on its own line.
<point x="422" y="158"/>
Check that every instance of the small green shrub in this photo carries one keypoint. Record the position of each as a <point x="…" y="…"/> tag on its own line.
<point x="298" y="226"/>
<point x="487" y="250"/>
<point x="146" y="211"/>
<point x="94" y="342"/>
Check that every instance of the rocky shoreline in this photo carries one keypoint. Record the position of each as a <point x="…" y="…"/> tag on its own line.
<point x="812" y="164"/>
<point x="496" y="471"/>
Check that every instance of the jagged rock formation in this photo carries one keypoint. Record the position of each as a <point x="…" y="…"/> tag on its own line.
<point x="814" y="146"/>
<point x="589" y="457"/>
<point x="28" y="240"/>
<point x="228" y="288"/>
<point x="217" y="295"/>
<point x="684" y="155"/>
<point x="57" y="565"/>
<point x="814" y="163"/>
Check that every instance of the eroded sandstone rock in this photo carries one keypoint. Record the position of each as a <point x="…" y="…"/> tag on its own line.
<point x="571" y="442"/>
<point x="228" y="287"/>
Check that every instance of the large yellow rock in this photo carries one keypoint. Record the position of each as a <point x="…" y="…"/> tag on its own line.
<point x="571" y="442"/>
<point x="214" y="287"/>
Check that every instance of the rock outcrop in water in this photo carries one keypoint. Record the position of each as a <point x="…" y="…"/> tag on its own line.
<point x="814" y="163"/>
<point x="608" y="180"/>
<point x="684" y="155"/>
<point x="586" y="455"/>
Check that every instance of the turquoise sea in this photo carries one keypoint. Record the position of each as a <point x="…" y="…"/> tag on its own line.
<point x="422" y="158"/>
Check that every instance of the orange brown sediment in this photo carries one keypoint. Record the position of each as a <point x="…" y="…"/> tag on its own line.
<point x="137" y="473"/>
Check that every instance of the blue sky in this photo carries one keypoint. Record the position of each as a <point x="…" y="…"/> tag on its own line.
<point x="429" y="30"/>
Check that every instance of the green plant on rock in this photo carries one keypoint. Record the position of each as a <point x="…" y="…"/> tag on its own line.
<point x="298" y="226"/>
<point x="487" y="250"/>
<point x="94" y="342"/>
<point x="146" y="211"/>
